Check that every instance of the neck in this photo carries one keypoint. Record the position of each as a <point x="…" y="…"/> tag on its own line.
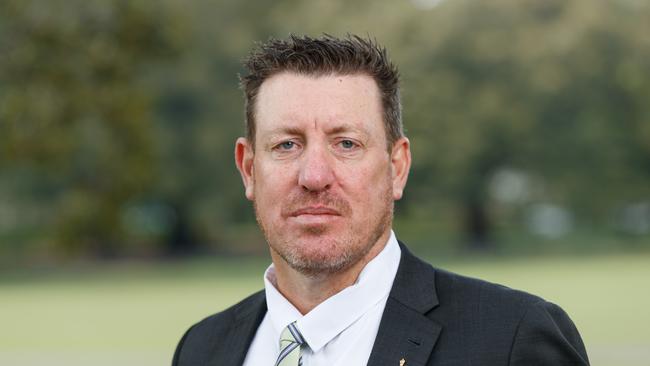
<point x="306" y="292"/>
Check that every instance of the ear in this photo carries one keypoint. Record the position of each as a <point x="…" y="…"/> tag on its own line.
<point x="400" y="165"/>
<point x="244" y="156"/>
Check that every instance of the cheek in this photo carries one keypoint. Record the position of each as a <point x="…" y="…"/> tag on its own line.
<point x="366" y="181"/>
<point x="271" y="186"/>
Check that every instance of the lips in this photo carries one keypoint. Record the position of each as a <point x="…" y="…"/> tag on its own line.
<point x="315" y="211"/>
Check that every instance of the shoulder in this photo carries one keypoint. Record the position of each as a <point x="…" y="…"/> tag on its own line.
<point x="491" y="306"/>
<point x="486" y="317"/>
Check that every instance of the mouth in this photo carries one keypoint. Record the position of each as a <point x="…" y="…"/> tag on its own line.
<point x="315" y="211"/>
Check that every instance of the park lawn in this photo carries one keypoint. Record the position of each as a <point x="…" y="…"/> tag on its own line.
<point x="134" y="313"/>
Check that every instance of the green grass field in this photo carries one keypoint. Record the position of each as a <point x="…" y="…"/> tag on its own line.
<point x="133" y="314"/>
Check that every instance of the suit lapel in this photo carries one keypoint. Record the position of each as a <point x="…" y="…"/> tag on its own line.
<point x="405" y="332"/>
<point x="240" y="336"/>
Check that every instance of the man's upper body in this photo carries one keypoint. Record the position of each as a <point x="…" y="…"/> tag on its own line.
<point x="323" y="161"/>
<point x="431" y="317"/>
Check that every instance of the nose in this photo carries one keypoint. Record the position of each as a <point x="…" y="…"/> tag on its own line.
<point x="316" y="173"/>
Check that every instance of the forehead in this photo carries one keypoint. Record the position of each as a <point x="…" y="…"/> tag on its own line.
<point x="325" y="100"/>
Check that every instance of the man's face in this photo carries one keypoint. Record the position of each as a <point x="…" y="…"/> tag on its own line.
<point x="320" y="175"/>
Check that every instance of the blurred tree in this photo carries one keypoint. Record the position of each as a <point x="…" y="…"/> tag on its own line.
<point x="117" y="118"/>
<point x="552" y="88"/>
<point x="75" y="109"/>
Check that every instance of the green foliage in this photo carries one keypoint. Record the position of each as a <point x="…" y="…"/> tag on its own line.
<point x="76" y="113"/>
<point x="550" y="88"/>
<point x="117" y="118"/>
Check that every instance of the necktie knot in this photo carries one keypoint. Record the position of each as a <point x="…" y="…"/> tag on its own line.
<point x="292" y="334"/>
<point x="290" y="346"/>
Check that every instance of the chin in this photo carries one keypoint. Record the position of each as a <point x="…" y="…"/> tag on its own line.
<point x="314" y="266"/>
<point x="318" y="249"/>
<point x="321" y="256"/>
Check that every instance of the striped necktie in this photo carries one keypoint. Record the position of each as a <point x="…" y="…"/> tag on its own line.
<point x="291" y="343"/>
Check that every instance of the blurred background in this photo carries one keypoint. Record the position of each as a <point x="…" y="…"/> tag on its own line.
<point x="122" y="216"/>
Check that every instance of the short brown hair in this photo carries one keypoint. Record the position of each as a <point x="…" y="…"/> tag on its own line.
<point x="323" y="56"/>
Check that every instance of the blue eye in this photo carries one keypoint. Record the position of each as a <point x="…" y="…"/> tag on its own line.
<point x="347" y="144"/>
<point x="287" y="145"/>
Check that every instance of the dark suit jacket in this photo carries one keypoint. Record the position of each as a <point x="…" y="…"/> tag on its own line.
<point x="432" y="317"/>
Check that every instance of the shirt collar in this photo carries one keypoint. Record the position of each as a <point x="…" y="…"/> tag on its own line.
<point x="334" y="315"/>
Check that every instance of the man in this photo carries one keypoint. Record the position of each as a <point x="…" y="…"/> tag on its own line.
<point x="323" y="161"/>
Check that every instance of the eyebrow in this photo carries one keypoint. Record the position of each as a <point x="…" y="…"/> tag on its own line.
<point x="284" y="131"/>
<point x="346" y="127"/>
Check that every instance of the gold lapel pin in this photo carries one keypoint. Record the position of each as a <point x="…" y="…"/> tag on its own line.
<point x="402" y="362"/>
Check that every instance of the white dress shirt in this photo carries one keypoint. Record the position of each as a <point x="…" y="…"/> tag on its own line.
<point x="339" y="331"/>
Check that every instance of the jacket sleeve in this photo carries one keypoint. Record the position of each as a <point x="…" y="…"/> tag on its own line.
<point x="546" y="336"/>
